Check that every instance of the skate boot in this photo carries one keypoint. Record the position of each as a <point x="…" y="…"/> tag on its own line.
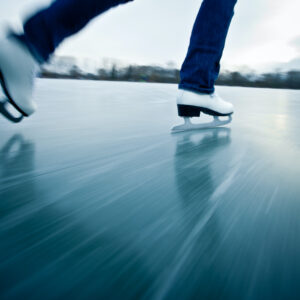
<point x="191" y="104"/>
<point x="18" y="69"/>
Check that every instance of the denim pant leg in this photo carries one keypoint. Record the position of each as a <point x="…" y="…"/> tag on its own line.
<point x="45" y="30"/>
<point x="202" y="63"/>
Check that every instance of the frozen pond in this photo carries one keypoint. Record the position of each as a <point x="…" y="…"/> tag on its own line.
<point x="98" y="200"/>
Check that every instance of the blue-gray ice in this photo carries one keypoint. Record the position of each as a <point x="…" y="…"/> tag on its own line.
<point x="98" y="200"/>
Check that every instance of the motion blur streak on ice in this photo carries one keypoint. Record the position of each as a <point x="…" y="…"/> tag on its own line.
<point x="98" y="200"/>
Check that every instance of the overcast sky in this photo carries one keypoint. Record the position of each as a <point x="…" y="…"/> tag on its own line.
<point x="157" y="31"/>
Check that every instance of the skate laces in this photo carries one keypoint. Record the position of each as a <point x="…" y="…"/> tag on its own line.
<point x="213" y="95"/>
<point x="31" y="75"/>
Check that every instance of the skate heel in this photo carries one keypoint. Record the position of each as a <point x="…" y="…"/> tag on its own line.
<point x="188" y="110"/>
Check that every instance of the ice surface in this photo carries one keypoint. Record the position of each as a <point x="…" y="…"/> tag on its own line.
<point x="100" y="201"/>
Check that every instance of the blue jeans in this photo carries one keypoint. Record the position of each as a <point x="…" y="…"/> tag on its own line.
<point x="201" y="66"/>
<point x="44" y="31"/>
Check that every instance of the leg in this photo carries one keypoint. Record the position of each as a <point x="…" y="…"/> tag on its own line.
<point x="44" y="31"/>
<point x="202" y="64"/>
<point x="21" y="55"/>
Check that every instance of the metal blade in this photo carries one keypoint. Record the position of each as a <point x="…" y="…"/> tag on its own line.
<point x="4" y="111"/>
<point x="188" y="125"/>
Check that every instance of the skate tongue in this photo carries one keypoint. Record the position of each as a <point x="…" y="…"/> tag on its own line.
<point x="188" y="125"/>
<point x="5" y="111"/>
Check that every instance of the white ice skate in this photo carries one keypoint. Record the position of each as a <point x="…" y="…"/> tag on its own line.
<point x="18" y="69"/>
<point x="191" y="104"/>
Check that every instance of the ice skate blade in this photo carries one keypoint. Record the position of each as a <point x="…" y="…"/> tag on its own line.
<point x="188" y="125"/>
<point x="4" y="112"/>
<point x="10" y="100"/>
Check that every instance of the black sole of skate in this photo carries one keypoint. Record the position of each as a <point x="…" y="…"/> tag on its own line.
<point x="190" y="111"/>
<point x="11" y="101"/>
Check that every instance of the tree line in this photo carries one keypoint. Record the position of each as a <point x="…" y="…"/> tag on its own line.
<point x="287" y="80"/>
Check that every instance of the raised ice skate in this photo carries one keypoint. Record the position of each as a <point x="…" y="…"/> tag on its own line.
<point x="18" y="69"/>
<point x="191" y="104"/>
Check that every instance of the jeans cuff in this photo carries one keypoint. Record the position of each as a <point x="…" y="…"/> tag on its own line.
<point x="24" y="41"/>
<point x="195" y="88"/>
